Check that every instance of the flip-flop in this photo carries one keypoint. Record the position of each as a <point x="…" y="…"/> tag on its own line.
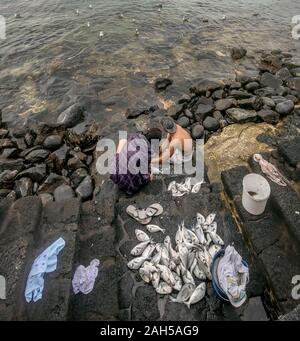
<point x="154" y="210"/>
<point x="139" y="215"/>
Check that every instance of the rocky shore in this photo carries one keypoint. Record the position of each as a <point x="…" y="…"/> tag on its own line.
<point x="49" y="188"/>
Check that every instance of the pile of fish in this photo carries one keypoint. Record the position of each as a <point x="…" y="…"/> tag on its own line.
<point x="186" y="187"/>
<point x="179" y="269"/>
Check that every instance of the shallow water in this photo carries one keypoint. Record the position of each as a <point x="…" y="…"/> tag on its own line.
<point x="51" y="58"/>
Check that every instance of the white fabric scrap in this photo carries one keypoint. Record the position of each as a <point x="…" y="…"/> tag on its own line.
<point x="84" y="277"/>
<point x="186" y="187"/>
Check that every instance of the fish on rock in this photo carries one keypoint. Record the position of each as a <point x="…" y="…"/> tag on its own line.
<point x="139" y="249"/>
<point x="163" y="288"/>
<point x="155" y="228"/>
<point x="136" y="263"/>
<point x="149" y="250"/>
<point x="155" y="279"/>
<point x="197" y="295"/>
<point x="216" y="239"/>
<point x="166" y="274"/>
<point x="141" y="235"/>
<point x="184" y="294"/>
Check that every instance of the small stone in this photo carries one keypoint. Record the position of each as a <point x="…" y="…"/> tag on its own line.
<point x="218" y="94"/>
<point x="71" y="116"/>
<point x="6" y="143"/>
<point x="162" y="83"/>
<point x="239" y="94"/>
<point x="3" y="133"/>
<point x="63" y="193"/>
<point x="23" y="187"/>
<point x="252" y="86"/>
<point x="29" y="140"/>
<point x="197" y="131"/>
<point x="271" y="81"/>
<point x="53" y="142"/>
<point x="293" y="98"/>
<point x="211" y="124"/>
<point x="188" y="113"/>
<point x="285" y="108"/>
<point x="59" y="157"/>
<point x="269" y="116"/>
<point x="268" y="102"/>
<point x="184" y="122"/>
<point x="52" y="182"/>
<point x="235" y="85"/>
<point x="8" y="153"/>
<point x="238" y="115"/>
<point x="224" y="104"/>
<point x="85" y="189"/>
<point x="265" y="92"/>
<point x="17" y="164"/>
<point x="295" y="72"/>
<point x="202" y="111"/>
<point x="217" y="115"/>
<point x="174" y="111"/>
<point x="238" y="53"/>
<point x="74" y="163"/>
<point x="284" y="74"/>
<point x="184" y="99"/>
<point x="37" y="155"/>
<point x="36" y="173"/>
<point x="77" y="176"/>
<point x="46" y="198"/>
<point x="255" y="103"/>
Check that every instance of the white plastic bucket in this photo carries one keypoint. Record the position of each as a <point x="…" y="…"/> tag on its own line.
<point x="256" y="192"/>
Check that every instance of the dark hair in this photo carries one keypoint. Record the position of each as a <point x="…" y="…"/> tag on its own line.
<point x="153" y="134"/>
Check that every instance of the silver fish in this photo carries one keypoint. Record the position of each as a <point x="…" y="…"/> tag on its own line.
<point x="208" y="239"/>
<point x="183" y="254"/>
<point x="216" y="239"/>
<point x="210" y="218"/>
<point x="179" y="235"/>
<point x="200" y="219"/>
<point x="165" y="258"/>
<point x="156" y="259"/>
<point x="192" y="236"/>
<point x="188" y="278"/>
<point x="155" y="279"/>
<point x="172" y="265"/>
<point x="200" y="234"/>
<point x="163" y="288"/>
<point x="136" y="263"/>
<point x="199" y="273"/>
<point x="184" y="294"/>
<point x="149" y="266"/>
<point x="155" y="228"/>
<point x="212" y="227"/>
<point x="145" y="275"/>
<point x="148" y="251"/>
<point x="214" y="249"/>
<point x="141" y="236"/>
<point x="171" y="185"/>
<point x="167" y="242"/>
<point x="166" y="274"/>
<point x="140" y="248"/>
<point x="191" y="258"/>
<point x="178" y="282"/>
<point x="197" y="295"/>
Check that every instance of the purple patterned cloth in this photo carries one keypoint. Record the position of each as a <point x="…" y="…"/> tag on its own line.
<point x="137" y="152"/>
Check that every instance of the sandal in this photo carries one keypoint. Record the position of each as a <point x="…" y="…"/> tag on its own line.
<point x="139" y="215"/>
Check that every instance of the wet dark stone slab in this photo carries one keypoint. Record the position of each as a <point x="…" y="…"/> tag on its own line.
<point x="125" y="286"/>
<point x="233" y="180"/>
<point x="254" y="310"/>
<point x="145" y="304"/>
<point x="294" y="315"/>
<point x="289" y="149"/>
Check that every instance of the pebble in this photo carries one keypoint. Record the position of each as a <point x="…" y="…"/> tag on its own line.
<point x="285" y="108"/>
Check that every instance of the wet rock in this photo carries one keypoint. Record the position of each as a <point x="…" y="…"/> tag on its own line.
<point x="285" y="108"/>
<point x="162" y="83"/>
<point x="36" y="174"/>
<point x="202" y="111"/>
<point x="239" y="94"/>
<point x="3" y="133"/>
<point x="265" y="92"/>
<point x="63" y="193"/>
<point x="278" y="99"/>
<point x="238" y="115"/>
<point x="145" y="304"/>
<point x="59" y="157"/>
<point x="295" y="72"/>
<point x="283" y="74"/>
<point x="8" y="153"/>
<point x="125" y="291"/>
<point x="197" y="131"/>
<point x="238" y="53"/>
<point x="174" y="111"/>
<point x="71" y="116"/>
<point x="46" y="198"/>
<point x="11" y="164"/>
<point x="289" y="149"/>
<point x="52" y="182"/>
<point x="206" y="85"/>
<point x="77" y="176"/>
<point x="236" y="85"/>
<point x="183" y="121"/>
<point x="7" y="177"/>
<point x="184" y="99"/>
<point x="292" y="98"/>
<point x="218" y="116"/>
<point x="224" y="104"/>
<point x="6" y="143"/>
<point x="85" y="189"/>
<point x="255" y="103"/>
<point x="271" y="81"/>
<point x="37" y="155"/>
<point x="74" y="163"/>
<point x="79" y="155"/>
<point x="211" y="124"/>
<point x="23" y="187"/>
<point x="269" y="116"/>
<point x="53" y="142"/>
<point x="294" y="84"/>
<point x="29" y="140"/>
<point x="268" y="102"/>
<point x="218" y="94"/>
<point x="252" y="86"/>
<point x="223" y="123"/>
<point x="188" y="114"/>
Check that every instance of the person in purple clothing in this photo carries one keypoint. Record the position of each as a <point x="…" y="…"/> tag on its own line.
<point x="132" y="167"/>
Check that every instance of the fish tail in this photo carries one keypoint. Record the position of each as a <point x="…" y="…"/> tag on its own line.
<point x="187" y="304"/>
<point x="163" y="231"/>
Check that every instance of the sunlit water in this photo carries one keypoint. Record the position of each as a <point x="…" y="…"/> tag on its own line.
<point x="52" y="57"/>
